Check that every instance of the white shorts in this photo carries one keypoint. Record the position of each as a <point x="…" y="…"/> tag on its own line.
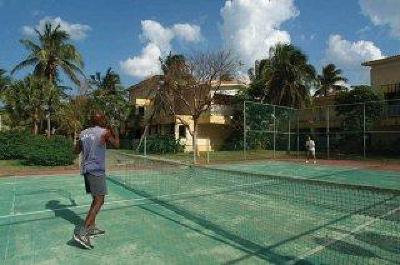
<point x="311" y="151"/>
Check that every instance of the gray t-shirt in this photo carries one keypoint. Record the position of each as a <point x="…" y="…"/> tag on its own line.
<point x="93" y="151"/>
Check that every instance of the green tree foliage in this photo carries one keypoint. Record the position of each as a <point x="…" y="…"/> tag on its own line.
<point x="25" y="101"/>
<point x="110" y="96"/>
<point x="50" y="53"/>
<point x="4" y="80"/>
<point x="285" y="78"/>
<point x="353" y="112"/>
<point x="328" y="81"/>
<point x="350" y="108"/>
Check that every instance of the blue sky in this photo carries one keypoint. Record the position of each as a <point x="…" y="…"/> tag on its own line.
<point x="129" y="35"/>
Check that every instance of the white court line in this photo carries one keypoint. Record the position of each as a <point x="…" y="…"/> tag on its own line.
<point x="9" y="227"/>
<point x="341" y="237"/>
<point x="132" y="200"/>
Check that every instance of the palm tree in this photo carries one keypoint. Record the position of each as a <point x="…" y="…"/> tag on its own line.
<point x="4" y="80"/>
<point x="25" y="100"/>
<point x="329" y="81"/>
<point x="109" y="95"/>
<point x="288" y="76"/>
<point x="107" y="84"/>
<point x="51" y="53"/>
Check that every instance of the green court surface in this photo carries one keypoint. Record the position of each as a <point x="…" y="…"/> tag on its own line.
<point x="340" y="174"/>
<point x="161" y="213"/>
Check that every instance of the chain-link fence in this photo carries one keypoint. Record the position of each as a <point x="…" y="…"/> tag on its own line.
<point x="362" y="130"/>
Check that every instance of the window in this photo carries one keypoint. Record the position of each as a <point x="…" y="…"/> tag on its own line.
<point x="182" y="131"/>
<point x="140" y="111"/>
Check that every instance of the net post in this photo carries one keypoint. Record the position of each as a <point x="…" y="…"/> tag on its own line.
<point x="244" y="130"/>
<point x="364" y="136"/>
<point x="274" y="130"/>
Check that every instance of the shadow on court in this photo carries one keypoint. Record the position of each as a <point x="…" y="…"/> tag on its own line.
<point x="386" y="242"/>
<point x="62" y="211"/>
<point x="248" y="246"/>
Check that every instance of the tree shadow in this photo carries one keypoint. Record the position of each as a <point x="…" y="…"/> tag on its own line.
<point x="345" y="247"/>
<point x="389" y="243"/>
<point x="248" y="246"/>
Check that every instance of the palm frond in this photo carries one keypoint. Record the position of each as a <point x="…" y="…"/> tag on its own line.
<point x="23" y="64"/>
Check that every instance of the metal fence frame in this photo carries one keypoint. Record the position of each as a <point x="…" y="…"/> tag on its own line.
<point x="328" y="132"/>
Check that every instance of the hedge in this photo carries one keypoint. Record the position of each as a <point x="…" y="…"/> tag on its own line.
<point x="160" y="145"/>
<point x="36" y="149"/>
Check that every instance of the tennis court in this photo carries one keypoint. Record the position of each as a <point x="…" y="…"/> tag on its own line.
<point x="163" y="212"/>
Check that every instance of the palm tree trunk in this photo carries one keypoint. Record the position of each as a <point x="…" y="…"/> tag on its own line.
<point x="194" y="141"/>
<point x="35" y="123"/>
<point x="48" y="125"/>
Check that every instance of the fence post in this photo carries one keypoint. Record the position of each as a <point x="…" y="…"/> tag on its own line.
<point x="289" y="147"/>
<point x="328" y="134"/>
<point x="298" y="134"/>
<point x="364" y="130"/>
<point x="244" y="130"/>
<point x="145" y="146"/>
<point x="274" y="131"/>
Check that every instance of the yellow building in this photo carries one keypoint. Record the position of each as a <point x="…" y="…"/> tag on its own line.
<point x="385" y="74"/>
<point x="213" y="126"/>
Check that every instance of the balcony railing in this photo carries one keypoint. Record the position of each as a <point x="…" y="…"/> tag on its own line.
<point x="223" y="110"/>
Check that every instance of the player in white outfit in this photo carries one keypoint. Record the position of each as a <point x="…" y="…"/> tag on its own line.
<point x="310" y="147"/>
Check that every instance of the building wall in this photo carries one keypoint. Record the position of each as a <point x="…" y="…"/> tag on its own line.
<point x="385" y="74"/>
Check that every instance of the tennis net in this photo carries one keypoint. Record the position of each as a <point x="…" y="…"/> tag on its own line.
<point x="280" y="220"/>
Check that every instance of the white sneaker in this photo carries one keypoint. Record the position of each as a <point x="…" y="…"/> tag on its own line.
<point x="315" y="162"/>
<point x="307" y="162"/>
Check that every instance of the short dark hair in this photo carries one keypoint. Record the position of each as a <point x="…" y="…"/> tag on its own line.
<point x="97" y="118"/>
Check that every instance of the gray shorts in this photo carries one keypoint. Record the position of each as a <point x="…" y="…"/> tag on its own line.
<point x="95" y="185"/>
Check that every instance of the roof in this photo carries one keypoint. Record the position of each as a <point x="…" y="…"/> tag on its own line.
<point x="382" y="61"/>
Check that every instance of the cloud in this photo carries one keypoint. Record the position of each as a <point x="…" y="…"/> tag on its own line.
<point x="383" y="13"/>
<point x="251" y="27"/>
<point x="158" y="44"/>
<point x="349" y="55"/>
<point x="76" y="31"/>
<point x="186" y="32"/>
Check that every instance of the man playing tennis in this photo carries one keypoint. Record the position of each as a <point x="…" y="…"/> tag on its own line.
<point x="310" y="146"/>
<point x="92" y="143"/>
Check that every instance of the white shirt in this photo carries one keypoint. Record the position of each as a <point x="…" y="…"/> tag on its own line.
<point x="310" y="145"/>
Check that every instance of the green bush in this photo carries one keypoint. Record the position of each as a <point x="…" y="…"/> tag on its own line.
<point x="12" y="144"/>
<point x="36" y="149"/>
<point x="161" y="145"/>
<point x="56" y="151"/>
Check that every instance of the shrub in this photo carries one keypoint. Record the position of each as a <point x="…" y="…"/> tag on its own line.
<point x="161" y="145"/>
<point x="36" y="149"/>
<point x="12" y="144"/>
<point x="56" y="151"/>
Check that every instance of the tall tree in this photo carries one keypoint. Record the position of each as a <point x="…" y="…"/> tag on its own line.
<point x="285" y="78"/>
<point x="329" y="79"/>
<point x="190" y="86"/>
<point x="25" y="100"/>
<point x="4" y="80"/>
<point x="50" y="53"/>
<point x="108" y="94"/>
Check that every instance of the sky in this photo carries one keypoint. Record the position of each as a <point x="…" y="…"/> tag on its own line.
<point x="130" y="35"/>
